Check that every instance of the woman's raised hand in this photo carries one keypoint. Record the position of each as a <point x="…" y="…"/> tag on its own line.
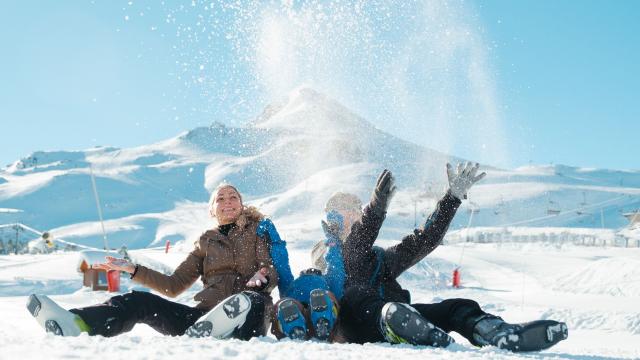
<point x="462" y="178"/>
<point x="259" y="279"/>
<point x="116" y="264"/>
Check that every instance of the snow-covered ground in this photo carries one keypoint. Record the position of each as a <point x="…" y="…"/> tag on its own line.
<point x="595" y="290"/>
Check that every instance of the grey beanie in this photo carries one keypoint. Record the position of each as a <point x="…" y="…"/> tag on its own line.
<point x="343" y="201"/>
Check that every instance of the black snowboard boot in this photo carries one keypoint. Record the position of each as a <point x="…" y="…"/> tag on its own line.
<point x="532" y="336"/>
<point x="402" y="324"/>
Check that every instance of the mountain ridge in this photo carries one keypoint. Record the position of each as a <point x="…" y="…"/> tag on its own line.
<point x="288" y="161"/>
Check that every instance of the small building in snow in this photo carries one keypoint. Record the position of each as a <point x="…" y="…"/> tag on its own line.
<point x="98" y="279"/>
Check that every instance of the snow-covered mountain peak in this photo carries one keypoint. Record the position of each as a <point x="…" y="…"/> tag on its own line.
<point x="308" y="110"/>
<point x="40" y="161"/>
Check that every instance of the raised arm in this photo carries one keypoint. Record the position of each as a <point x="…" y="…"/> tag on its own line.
<point x="414" y="247"/>
<point x="357" y="252"/>
<point x="335" y="275"/>
<point x="279" y="254"/>
<point x="421" y="242"/>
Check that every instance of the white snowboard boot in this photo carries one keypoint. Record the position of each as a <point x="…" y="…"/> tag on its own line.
<point x="53" y="318"/>
<point x="223" y="319"/>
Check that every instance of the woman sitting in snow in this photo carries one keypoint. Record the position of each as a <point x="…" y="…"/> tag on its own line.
<point x="231" y="260"/>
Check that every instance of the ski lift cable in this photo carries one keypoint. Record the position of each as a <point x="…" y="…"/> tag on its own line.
<point x="95" y="194"/>
<point x="464" y="246"/>
<point x="146" y="180"/>
<point x="523" y="283"/>
<point x="39" y="233"/>
<point x="167" y="191"/>
<point x="564" y="213"/>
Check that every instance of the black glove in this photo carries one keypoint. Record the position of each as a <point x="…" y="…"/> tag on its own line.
<point x="383" y="193"/>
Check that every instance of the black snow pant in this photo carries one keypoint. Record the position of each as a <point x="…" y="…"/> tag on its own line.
<point x="121" y="313"/>
<point x="361" y="306"/>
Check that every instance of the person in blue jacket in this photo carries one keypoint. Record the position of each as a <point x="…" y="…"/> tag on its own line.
<point x="308" y="305"/>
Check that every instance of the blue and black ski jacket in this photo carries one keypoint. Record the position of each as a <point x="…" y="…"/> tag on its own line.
<point x="379" y="268"/>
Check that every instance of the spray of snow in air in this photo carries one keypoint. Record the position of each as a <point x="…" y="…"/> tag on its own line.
<point x="418" y="70"/>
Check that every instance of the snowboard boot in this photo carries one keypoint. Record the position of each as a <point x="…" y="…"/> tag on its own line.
<point x="402" y="324"/>
<point x="223" y="319"/>
<point x="53" y="318"/>
<point x="290" y="320"/>
<point x="532" y="336"/>
<point x="324" y="313"/>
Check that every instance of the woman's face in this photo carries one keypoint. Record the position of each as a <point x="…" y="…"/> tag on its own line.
<point x="227" y="206"/>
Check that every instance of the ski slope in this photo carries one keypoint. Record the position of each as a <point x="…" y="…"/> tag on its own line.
<point x="595" y="290"/>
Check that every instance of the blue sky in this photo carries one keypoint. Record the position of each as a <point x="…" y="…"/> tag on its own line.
<point x="562" y="76"/>
<point x="569" y="71"/>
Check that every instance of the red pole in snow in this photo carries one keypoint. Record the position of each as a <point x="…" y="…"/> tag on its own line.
<point x="456" y="278"/>
<point x="113" y="281"/>
<point x="166" y="246"/>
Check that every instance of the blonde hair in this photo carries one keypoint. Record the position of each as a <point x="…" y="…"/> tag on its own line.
<point x="248" y="213"/>
<point x="317" y="256"/>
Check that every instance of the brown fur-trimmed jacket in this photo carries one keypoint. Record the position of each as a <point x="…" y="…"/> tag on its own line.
<point x="223" y="263"/>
